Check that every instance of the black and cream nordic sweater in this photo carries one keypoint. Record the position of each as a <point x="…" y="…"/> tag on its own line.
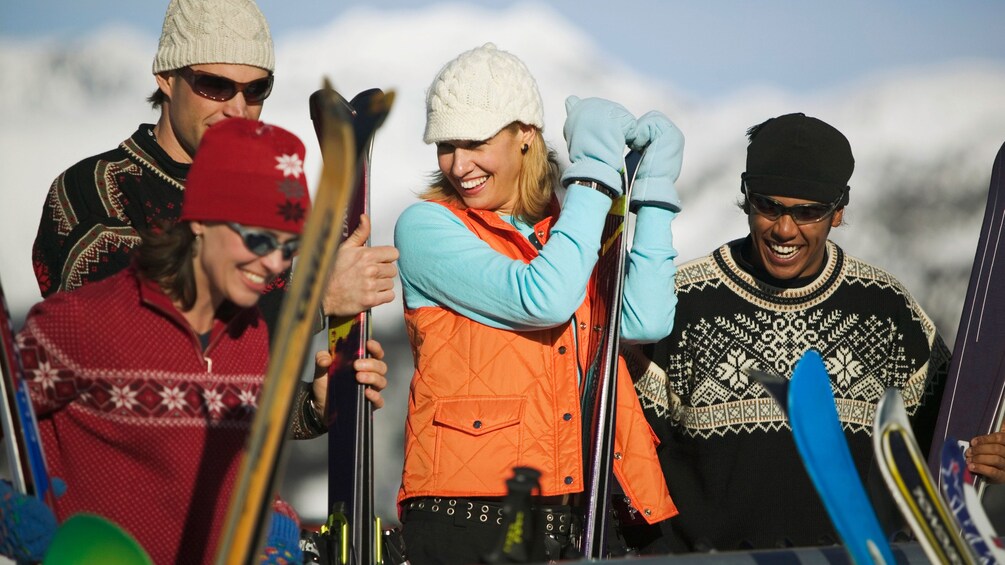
<point x="727" y="451"/>
<point x="94" y="212"/>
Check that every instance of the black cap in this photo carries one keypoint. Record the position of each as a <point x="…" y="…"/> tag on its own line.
<point x="797" y="156"/>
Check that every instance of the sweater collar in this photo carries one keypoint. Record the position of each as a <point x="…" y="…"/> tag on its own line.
<point x="146" y="141"/>
<point x="153" y="296"/>
<point x="742" y="249"/>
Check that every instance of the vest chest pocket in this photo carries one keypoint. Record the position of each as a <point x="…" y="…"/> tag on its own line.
<point x="478" y="438"/>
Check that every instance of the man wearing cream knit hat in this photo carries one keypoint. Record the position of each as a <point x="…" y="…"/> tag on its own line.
<point x="215" y="60"/>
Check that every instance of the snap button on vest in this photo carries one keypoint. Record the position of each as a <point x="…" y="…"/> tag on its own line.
<point x="477" y="424"/>
<point x="568" y="480"/>
<point x="566" y="416"/>
<point x="561" y="350"/>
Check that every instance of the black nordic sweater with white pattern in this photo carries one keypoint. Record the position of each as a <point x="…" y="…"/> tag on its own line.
<point x="727" y="450"/>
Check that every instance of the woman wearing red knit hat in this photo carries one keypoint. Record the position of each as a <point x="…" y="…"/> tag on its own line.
<point x="145" y="384"/>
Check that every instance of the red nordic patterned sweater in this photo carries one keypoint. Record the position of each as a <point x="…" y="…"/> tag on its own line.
<point x="145" y="427"/>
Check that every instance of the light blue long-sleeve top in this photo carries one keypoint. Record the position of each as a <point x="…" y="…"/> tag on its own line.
<point x="442" y="263"/>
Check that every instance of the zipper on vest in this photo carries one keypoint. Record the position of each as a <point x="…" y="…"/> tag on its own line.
<point x="209" y="365"/>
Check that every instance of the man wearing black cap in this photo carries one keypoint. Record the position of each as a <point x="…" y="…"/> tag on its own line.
<point x="759" y="303"/>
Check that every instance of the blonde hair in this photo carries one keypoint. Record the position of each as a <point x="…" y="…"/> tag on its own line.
<point x="538" y="180"/>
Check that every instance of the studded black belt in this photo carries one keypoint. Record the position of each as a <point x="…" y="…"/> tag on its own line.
<point x="556" y="520"/>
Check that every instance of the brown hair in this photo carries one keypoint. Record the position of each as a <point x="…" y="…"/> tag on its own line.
<point x="157" y="99"/>
<point x="539" y="177"/>
<point x="165" y="257"/>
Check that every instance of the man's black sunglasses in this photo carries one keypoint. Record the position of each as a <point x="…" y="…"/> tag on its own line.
<point x="800" y="213"/>
<point x="221" y="89"/>
<point x="261" y="242"/>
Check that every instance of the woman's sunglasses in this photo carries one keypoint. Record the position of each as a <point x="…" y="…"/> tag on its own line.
<point x="221" y="89"/>
<point x="800" y="213"/>
<point x="261" y="242"/>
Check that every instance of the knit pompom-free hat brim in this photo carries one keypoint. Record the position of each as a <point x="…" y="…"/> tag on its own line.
<point x="479" y="93"/>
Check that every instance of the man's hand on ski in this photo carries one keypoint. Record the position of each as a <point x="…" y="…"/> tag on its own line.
<point x="595" y="130"/>
<point x="370" y="371"/>
<point x="363" y="277"/>
<point x="986" y="457"/>
<point x="662" y="146"/>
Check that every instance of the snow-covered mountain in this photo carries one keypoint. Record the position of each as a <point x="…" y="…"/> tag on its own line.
<point x="924" y="140"/>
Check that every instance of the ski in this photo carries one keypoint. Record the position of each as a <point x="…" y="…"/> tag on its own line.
<point x="598" y="388"/>
<point x="349" y="416"/>
<point x="974" y="399"/>
<point x="808" y="400"/>
<point x="25" y="457"/>
<point x="251" y="501"/>
<point x="961" y="496"/>
<point x="917" y="496"/>
<point x="29" y="473"/>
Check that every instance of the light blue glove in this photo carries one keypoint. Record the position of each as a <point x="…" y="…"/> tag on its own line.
<point x="662" y="145"/>
<point x="596" y="130"/>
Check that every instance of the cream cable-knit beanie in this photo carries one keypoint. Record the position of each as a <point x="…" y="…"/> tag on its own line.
<point x="479" y="93"/>
<point x="214" y="31"/>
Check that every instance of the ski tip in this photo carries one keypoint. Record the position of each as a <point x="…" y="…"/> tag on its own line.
<point x="374" y="107"/>
<point x="810" y="360"/>
<point x="953" y="450"/>
<point x="380" y="103"/>
<point x="776" y="385"/>
<point x="890" y="409"/>
<point x="810" y="374"/>
<point x="809" y="368"/>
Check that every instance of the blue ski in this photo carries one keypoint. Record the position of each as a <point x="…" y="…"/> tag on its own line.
<point x="808" y="401"/>
<point x="28" y="472"/>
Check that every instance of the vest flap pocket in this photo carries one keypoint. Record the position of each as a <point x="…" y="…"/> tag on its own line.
<point x="479" y="415"/>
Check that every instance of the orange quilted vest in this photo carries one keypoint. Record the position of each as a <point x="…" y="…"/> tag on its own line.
<point x="484" y="400"/>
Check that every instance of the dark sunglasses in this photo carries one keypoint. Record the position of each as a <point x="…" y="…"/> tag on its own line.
<point x="221" y="89"/>
<point x="800" y="213"/>
<point x="261" y="242"/>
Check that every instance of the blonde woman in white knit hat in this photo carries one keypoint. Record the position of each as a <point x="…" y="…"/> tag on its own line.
<point x="495" y="280"/>
<point x="215" y="61"/>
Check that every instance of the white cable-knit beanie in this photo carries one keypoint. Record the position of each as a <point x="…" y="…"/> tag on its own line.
<point x="214" y="31"/>
<point x="479" y="93"/>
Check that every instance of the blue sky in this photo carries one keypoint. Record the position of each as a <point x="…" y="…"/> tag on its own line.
<point x="706" y="47"/>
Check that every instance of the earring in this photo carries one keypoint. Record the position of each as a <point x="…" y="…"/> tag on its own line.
<point x="195" y="244"/>
<point x="524" y="149"/>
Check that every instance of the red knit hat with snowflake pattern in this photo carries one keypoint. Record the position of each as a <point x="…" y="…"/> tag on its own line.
<point x="248" y="172"/>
